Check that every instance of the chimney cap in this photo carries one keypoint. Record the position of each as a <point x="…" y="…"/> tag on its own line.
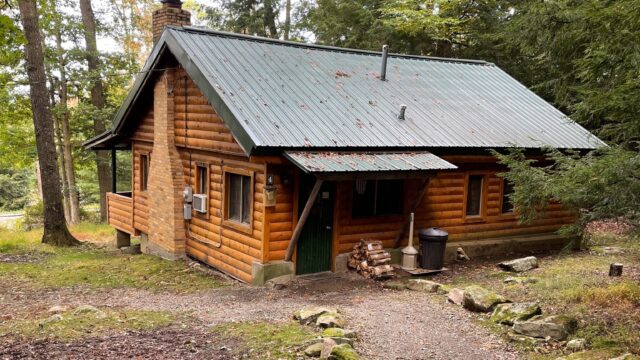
<point x="176" y="3"/>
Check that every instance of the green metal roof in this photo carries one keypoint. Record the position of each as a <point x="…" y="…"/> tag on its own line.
<point x="283" y="95"/>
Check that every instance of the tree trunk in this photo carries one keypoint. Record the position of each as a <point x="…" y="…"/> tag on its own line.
<point x="55" y="227"/>
<point x="97" y="99"/>
<point x="270" y="19"/>
<point x="70" y="191"/>
<point x="287" y="20"/>
<point x="57" y="134"/>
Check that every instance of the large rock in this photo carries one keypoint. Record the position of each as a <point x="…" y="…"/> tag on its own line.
<point x="309" y="315"/>
<point x="343" y="352"/>
<point x="520" y="265"/>
<point x="576" y="345"/>
<point x="456" y="296"/>
<point x="330" y="320"/>
<point x="509" y="313"/>
<point x="338" y="332"/>
<point x="57" y="309"/>
<point x="479" y="299"/>
<point x="423" y="285"/>
<point x="327" y="346"/>
<point x="557" y="327"/>
<point x="314" y="350"/>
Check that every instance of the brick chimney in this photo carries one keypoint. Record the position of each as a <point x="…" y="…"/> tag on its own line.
<point x="171" y="13"/>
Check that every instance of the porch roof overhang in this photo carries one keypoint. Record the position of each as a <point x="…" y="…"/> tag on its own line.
<point x="107" y="141"/>
<point x="363" y="164"/>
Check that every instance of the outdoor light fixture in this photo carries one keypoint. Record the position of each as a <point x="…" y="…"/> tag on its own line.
<point x="269" y="192"/>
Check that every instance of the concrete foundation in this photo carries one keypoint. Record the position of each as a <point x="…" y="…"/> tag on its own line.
<point x="262" y="273"/>
<point x="507" y="245"/>
<point x="123" y="239"/>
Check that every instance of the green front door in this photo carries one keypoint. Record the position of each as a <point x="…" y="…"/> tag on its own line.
<point x="314" y="244"/>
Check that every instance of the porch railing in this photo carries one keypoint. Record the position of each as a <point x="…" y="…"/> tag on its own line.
<point x="120" y="211"/>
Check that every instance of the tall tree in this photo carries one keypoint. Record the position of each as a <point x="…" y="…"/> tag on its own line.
<point x="70" y="190"/>
<point x="55" y="227"/>
<point x="97" y="99"/>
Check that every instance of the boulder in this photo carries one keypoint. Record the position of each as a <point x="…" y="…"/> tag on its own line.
<point x="330" y="320"/>
<point x="395" y="285"/>
<point x="443" y="290"/>
<point x="343" y="352"/>
<point x="279" y="282"/>
<point x="520" y="280"/>
<point x="327" y="346"/>
<point x="523" y="340"/>
<point x="456" y="296"/>
<point x="509" y="313"/>
<point x="338" y="332"/>
<point x="53" y="318"/>
<point x="479" y="299"/>
<point x="576" y="345"/>
<point x="556" y="327"/>
<point x="314" y="350"/>
<point x="309" y="315"/>
<point x="57" y="309"/>
<point x="85" y="309"/>
<point x="520" y="265"/>
<point x="423" y="285"/>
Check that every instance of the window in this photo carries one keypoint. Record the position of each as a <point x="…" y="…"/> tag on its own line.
<point x="507" y="190"/>
<point x="377" y="198"/>
<point x="202" y="179"/>
<point x="144" y="171"/>
<point x="474" y="195"/>
<point x="239" y="198"/>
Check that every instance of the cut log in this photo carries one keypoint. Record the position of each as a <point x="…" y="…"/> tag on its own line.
<point x="370" y="259"/>
<point x="615" y="269"/>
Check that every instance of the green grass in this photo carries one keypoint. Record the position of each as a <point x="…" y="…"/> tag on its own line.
<point x="262" y="340"/>
<point x="95" y="267"/>
<point x="578" y="284"/>
<point x="74" y="326"/>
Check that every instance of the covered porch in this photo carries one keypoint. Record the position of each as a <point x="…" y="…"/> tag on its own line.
<point x="346" y="196"/>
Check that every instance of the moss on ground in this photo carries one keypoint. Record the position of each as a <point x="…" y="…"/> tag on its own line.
<point x="95" y="267"/>
<point x="262" y="340"/>
<point x="578" y="284"/>
<point x="74" y="326"/>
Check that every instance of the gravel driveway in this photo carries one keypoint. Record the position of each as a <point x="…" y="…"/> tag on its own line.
<point x="390" y="324"/>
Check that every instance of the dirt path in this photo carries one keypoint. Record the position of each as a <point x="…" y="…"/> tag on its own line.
<point x="390" y="324"/>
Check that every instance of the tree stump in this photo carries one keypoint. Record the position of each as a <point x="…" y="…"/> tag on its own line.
<point x="615" y="270"/>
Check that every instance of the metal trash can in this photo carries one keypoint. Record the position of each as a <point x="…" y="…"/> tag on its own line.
<point x="433" y="242"/>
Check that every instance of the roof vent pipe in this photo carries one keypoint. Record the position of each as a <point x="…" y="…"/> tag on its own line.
<point x="383" y="71"/>
<point x="402" y="110"/>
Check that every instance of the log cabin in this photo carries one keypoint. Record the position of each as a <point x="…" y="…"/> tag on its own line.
<point x="266" y="158"/>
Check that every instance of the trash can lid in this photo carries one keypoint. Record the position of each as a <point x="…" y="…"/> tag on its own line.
<point x="433" y="231"/>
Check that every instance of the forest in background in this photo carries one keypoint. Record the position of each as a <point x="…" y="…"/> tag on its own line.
<point x="582" y="56"/>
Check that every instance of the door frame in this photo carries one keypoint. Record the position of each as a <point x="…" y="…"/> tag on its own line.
<point x="296" y="216"/>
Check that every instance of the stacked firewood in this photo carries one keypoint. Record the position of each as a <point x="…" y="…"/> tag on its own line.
<point x="371" y="260"/>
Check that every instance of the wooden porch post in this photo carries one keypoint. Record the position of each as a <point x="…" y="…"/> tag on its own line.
<point x="303" y="219"/>
<point x="424" y="186"/>
<point x="113" y="171"/>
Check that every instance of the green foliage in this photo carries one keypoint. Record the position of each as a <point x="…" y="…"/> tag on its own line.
<point x="14" y="189"/>
<point x="603" y="184"/>
<point x="33" y="217"/>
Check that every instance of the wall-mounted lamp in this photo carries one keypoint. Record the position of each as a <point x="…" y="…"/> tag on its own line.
<point x="269" y="191"/>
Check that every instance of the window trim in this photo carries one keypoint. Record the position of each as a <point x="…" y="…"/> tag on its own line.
<point x="381" y="217"/>
<point x="511" y="213"/>
<point x="483" y="197"/>
<point x="232" y="224"/>
<point x="144" y="185"/>
<point x="207" y="167"/>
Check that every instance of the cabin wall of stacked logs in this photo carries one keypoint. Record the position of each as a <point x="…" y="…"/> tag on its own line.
<point x="443" y="207"/>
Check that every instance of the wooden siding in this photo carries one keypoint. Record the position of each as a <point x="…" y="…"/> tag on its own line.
<point x="119" y="210"/>
<point x="144" y="131"/>
<point x="140" y="198"/>
<point x="280" y="218"/>
<point x="197" y="125"/>
<point x="209" y="239"/>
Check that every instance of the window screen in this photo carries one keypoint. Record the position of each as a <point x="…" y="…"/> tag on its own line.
<point x="144" y="172"/>
<point x="474" y="195"/>
<point x="377" y="197"/>
<point x="239" y="198"/>
<point x="202" y="180"/>
<point x="507" y="190"/>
